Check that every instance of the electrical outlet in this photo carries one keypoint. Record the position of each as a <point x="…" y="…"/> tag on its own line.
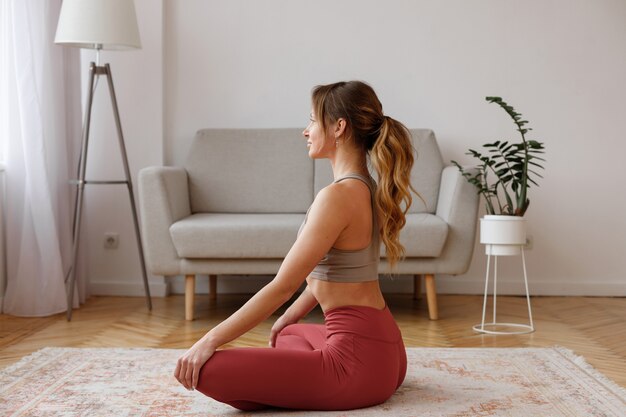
<point x="529" y="242"/>
<point x="111" y="240"/>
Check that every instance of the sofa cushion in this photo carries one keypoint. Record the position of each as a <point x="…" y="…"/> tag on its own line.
<point x="425" y="176"/>
<point x="423" y="235"/>
<point x="226" y="235"/>
<point x="249" y="171"/>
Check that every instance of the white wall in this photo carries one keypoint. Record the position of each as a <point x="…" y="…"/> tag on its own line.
<point x="235" y="63"/>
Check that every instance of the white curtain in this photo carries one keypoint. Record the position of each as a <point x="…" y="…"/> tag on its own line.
<point x="39" y="132"/>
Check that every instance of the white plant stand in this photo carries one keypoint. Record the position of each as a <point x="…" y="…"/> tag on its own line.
<point x="494" y="247"/>
<point x="491" y="328"/>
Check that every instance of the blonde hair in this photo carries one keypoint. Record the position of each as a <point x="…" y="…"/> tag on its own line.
<point x="388" y="143"/>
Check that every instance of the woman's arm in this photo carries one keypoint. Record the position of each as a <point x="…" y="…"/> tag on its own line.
<point x="300" y="308"/>
<point x="327" y="218"/>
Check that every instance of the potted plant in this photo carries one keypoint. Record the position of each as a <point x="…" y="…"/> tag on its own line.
<point x="503" y="177"/>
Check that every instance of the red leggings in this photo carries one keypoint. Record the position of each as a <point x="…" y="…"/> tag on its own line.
<point x="356" y="359"/>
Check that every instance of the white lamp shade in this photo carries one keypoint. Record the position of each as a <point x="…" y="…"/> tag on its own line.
<point x="98" y="24"/>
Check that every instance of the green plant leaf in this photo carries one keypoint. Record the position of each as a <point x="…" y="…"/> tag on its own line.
<point x="507" y="169"/>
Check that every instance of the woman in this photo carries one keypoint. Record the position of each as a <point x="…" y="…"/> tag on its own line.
<point x="357" y="358"/>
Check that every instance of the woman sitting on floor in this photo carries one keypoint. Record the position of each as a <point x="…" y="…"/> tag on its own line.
<point x="357" y="357"/>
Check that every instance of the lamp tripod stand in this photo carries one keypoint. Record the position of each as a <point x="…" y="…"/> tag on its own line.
<point x="70" y="279"/>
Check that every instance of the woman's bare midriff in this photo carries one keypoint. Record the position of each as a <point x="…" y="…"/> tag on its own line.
<point x="338" y="294"/>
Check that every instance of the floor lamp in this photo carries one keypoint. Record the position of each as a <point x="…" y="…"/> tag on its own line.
<point x="99" y="24"/>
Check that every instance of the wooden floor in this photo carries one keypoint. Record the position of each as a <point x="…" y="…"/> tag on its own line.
<point x="591" y="326"/>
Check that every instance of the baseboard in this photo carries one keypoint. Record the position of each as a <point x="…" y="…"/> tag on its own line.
<point x="564" y="287"/>
<point x="129" y="289"/>
<point x="445" y="285"/>
<point x="402" y="284"/>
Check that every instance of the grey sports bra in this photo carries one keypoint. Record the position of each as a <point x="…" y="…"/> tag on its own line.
<point x="340" y="265"/>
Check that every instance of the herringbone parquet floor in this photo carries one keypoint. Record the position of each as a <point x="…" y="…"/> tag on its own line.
<point x="592" y="327"/>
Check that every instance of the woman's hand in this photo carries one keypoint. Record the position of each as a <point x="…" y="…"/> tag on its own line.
<point x="189" y="365"/>
<point x="282" y="322"/>
<point x="300" y="308"/>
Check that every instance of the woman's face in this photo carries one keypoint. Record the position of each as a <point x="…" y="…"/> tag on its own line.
<point x="320" y="146"/>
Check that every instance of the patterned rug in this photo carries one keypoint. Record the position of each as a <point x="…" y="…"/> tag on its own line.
<point x="440" y="382"/>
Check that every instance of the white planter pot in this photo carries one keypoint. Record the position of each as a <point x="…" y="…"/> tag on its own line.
<point x="502" y="235"/>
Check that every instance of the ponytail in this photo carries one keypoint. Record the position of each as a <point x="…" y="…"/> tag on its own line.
<point x="392" y="158"/>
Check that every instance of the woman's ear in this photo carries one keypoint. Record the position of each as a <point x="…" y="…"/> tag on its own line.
<point x="340" y="128"/>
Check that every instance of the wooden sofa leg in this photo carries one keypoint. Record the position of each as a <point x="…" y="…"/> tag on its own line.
<point x="213" y="287"/>
<point x="190" y="289"/>
<point x="431" y="297"/>
<point x="417" y="286"/>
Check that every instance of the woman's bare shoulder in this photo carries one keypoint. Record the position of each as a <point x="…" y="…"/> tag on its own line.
<point x="331" y="197"/>
<point x="348" y="194"/>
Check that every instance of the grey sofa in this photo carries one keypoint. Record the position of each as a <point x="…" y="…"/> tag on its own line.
<point x="236" y="205"/>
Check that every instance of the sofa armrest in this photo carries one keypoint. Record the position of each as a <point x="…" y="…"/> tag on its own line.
<point x="163" y="200"/>
<point x="457" y="205"/>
